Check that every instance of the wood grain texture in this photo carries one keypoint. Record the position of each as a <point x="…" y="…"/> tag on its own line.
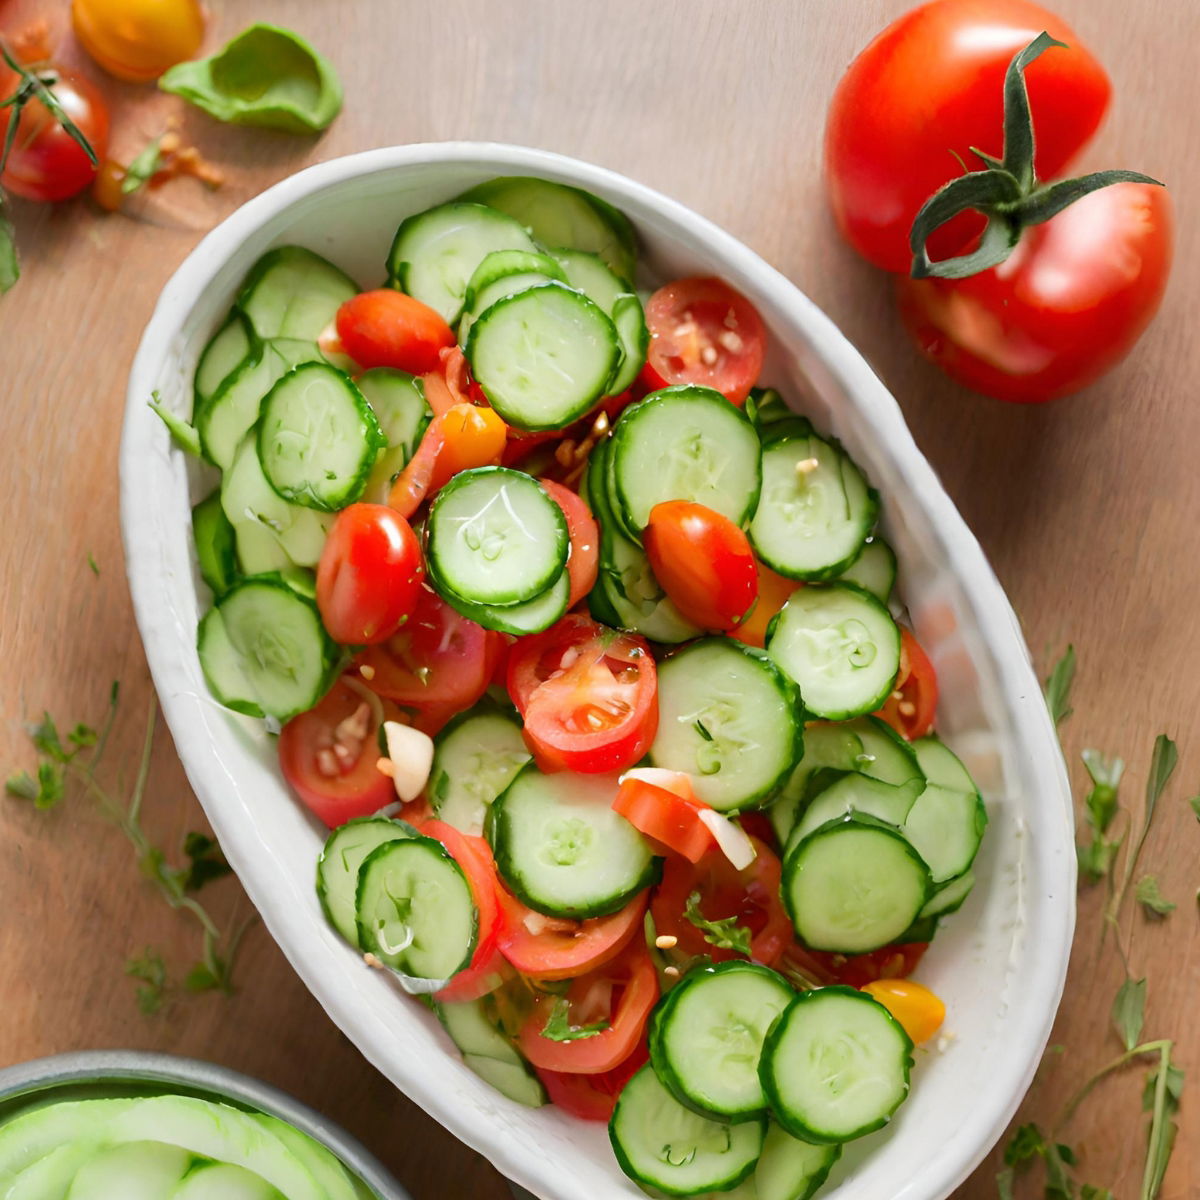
<point x="1087" y="508"/>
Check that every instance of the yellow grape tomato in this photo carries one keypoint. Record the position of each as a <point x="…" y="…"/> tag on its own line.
<point x="137" y="40"/>
<point x="915" y="1007"/>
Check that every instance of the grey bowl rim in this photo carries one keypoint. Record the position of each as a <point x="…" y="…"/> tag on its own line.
<point x="82" y="1067"/>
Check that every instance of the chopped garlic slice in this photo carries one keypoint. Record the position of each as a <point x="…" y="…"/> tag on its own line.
<point x="731" y="838"/>
<point x="411" y="754"/>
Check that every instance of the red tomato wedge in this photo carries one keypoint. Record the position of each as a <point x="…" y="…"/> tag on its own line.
<point x="488" y="967"/>
<point x="670" y="818"/>
<point x="545" y="948"/>
<point x="619" y="994"/>
<point x="751" y="895"/>
<point x="911" y="707"/>
<point x="589" y="696"/>
<point x="584" y="562"/>
<point x="704" y="563"/>
<point x="704" y="332"/>
<point x="328" y="755"/>
<point x="593" y="1097"/>
<point x="438" y="660"/>
<point x="386" y="328"/>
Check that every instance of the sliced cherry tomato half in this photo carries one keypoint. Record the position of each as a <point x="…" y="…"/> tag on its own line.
<point x="857" y="970"/>
<point x="584" y="562"/>
<point x="704" y="332"/>
<point x="911" y="707"/>
<point x="544" y="948"/>
<point x="593" y="1097"/>
<point x="328" y="755"/>
<point x="619" y="996"/>
<point x="670" y="818"/>
<point x="369" y="576"/>
<point x="752" y="896"/>
<point x="704" y="563"/>
<point x="773" y="593"/>
<point x="438" y="660"/>
<point x="589" y="696"/>
<point x="488" y="967"/>
<point x="386" y="328"/>
<point x="913" y="1005"/>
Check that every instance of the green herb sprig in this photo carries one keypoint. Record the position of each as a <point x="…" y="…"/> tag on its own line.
<point x="558" y="1027"/>
<point x="726" y="934"/>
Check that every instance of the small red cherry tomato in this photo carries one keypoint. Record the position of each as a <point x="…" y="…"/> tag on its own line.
<point x="704" y="332"/>
<point x="704" y="563"/>
<point x="584" y="561"/>
<point x="386" y="328"/>
<point x="369" y="575"/>
<point x="911" y="707"/>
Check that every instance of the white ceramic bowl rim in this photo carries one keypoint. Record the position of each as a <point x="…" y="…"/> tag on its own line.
<point x="984" y="1117"/>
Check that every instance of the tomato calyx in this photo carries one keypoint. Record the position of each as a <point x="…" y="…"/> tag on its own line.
<point x="1007" y="191"/>
<point x="37" y="83"/>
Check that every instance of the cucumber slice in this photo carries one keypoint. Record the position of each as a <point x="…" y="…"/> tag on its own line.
<point x="791" y="1169"/>
<point x="415" y="910"/>
<point x="949" y="897"/>
<point x="942" y="766"/>
<point x="874" y="569"/>
<point x="228" y="417"/>
<point x="503" y="263"/>
<point x="767" y="409"/>
<point x="496" y="538"/>
<point x="661" y="1144"/>
<point x="513" y="1080"/>
<point x="851" y="792"/>
<point x="706" y="1037"/>
<point x="264" y="651"/>
<point x="216" y="544"/>
<point x="728" y="718"/>
<point x="50" y="1178"/>
<point x="945" y="827"/>
<point x="318" y="438"/>
<point x="853" y="885"/>
<point x="490" y="1054"/>
<point x="559" y="215"/>
<point x="562" y="850"/>
<point x="836" y="1066"/>
<point x="271" y="532"/>
<point x="840" y="646"/>
<point x="543" y="356"/>
<point x="133" y="1171"/>
<point x="322" y="1165"/>
<point x="684" y="443"/>
<point x="34" y="1133"/>
<point x="436" y="252"/>
<point x="344" y="852"/>
<point x="226" y="351"/>
<point x="292" y="293"/>
<point x="398" y="401"/>
<point x="475" y="758"/>
<point x="530" y="616"/>
<point x="499" y="289"/>
<point x="816" y="508"/>
<point x="221" y="1181"/>
<point x="867" y="745"/>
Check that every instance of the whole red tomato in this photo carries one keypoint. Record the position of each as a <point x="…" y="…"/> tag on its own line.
<point x="1068" y="304"/>
<point x="929" y="88"/>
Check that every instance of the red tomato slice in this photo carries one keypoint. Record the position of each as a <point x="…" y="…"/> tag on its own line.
<point x="543" y="948"/>
<point x="584" y="561"/>
<point x="911" y="707"/>
<point x="386" y="328"/>
<point x="622" y="992"/>
<point x="589" y="696"/>
<point x="438" y="660"/>
<point x="751" y="895"/>
<point x="487" y="968"/>
<point x="670" y="819"/>
<point x="328" y="755"/>
<point x="593" y="1097"/>
<point x="889" y="962"/>
<point x="704" y="563"/>
<point x="704" y="332"/>
<point x="369" y="575"/>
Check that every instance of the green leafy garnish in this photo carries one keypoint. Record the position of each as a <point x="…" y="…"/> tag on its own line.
<point x="92" y="566"/>
<point x="1194" y="801"/>
<point x="726" y="933"/>
<point x="558" y="1027"/>
<point x="1128" y="1011"/>
<point x="1058" y="687"/>
<point x="76" y="759"/>
<point x="1151" y="899"/>
<point x="265" y="76"/>
<point x="1096" y="857"/>
<point x="10" y="264"/>
<point x="142" y="169"/>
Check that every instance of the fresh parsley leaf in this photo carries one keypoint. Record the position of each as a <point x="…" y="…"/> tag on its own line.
<point x="200" y="979"/>
<point x="726" y="933"/>
<point x="51" y="785"/>
<point x="1059" y="1184"/>
<point x="1129" y="1011"/>
<point x="1175" y="1080"/>
<point x="1026" y="1143"/>
<point x="152" y="971"/>
<point x="1096" y="858"/>
<point x="206" y="861"/>
<point x="1058" y="687"/>
<point x="21" y="786"/>
<point x="1101" y="804"/>
<point x="46" y="740"/>
<point x="82" y="735"/>
<point x="558" y="1027"/>
<point x="1151" y="899"/>
<point x="143" y="167"/>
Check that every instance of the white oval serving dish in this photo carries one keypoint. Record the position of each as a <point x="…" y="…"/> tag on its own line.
<point x="999" y="964"/>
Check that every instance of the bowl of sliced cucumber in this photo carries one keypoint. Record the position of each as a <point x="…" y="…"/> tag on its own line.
<point x="621" y="780"/>
<point x="102" y="1124"/>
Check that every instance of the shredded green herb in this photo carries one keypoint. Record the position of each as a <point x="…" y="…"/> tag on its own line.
<point x="558" y="1027"/>
<point x="726" y="933"/>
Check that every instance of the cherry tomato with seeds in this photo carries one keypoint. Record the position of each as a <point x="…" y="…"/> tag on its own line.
<point x="583" y="565"/>
<point x="386" y="328"/>
<point x="369" y="575"/>
<point x="704" y="332"/>
<point x="703" y="562"/>
<point x="912" y="706"/>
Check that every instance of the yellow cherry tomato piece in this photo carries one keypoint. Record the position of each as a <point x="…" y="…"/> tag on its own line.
<point x="137" y="40"/>
<point x="773" y="593"/>
<point x="475" y="437"/>
<point x="915" y="1007"/>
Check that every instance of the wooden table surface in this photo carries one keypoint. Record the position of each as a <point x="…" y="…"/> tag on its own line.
<point x="1087" y="508"/>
